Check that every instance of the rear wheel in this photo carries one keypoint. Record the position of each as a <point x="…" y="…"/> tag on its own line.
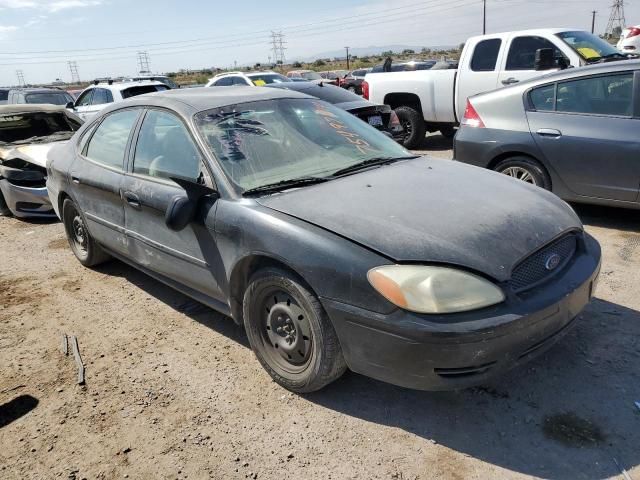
<point x="290" y="333"/>
<point x="82" y="244"/>
<point x="413" y="126"/>
<point x="525" y="169"/>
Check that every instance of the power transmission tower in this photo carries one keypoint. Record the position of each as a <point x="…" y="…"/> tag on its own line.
<point x="20" y="75"/>
<point x="73" y="68"/>
<point x="617" y="22"/>
<point x="143" y="62"/>
<point x="277" y="45"/>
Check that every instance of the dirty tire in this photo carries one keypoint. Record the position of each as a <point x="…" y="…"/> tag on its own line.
<point x="414" y="126"/>
<point x="448" y="131"/>
<point x="4" y="209"/>
<point x="526" y="169"/>
<point x="278" y="308"/>
<point x="83" y="246"/>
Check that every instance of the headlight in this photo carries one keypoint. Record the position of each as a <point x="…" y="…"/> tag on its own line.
<point x="426" y="289"/>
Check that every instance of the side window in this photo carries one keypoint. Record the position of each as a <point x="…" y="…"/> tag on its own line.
<point x="603" y="95"/>
<point x="165" y="149"/>
<point x="84" y="99"/>
<point x="543" y="98"/>
<point x="485" y="55"/>
<point x="101" y="96"/>
<point x="108" y="144"/>
<point x="522" y="52"/>
<point x="224" y="82"/>
<point x="239" y="81"/>
<point x="85" y="137"/>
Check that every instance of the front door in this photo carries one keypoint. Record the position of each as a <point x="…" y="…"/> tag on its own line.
<point x="97" y="176"/>
<point x="589" y="134"/>
<point x="82" y="106"/>
<point x="165" y="149"/>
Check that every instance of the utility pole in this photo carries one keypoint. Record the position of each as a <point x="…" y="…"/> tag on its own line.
<point x="593" y="21"/>
<point x="21" y="81"/>
<point x="617" y="22"/>
<point x="73" y="68"/>
<point x="484" y="17"/>
<point x="143" y="62"/>
<point x="347" y="49"/>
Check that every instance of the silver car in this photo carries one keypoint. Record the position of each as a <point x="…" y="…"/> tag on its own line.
<point x="573" y="132"/>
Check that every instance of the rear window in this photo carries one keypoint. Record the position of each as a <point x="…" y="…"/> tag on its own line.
<point x="331" y="94"/>
<point x="4" y="95"/>
<point x="52" y="98"/>
<point x="142" y="89"/>
<point x="485" y="55"/>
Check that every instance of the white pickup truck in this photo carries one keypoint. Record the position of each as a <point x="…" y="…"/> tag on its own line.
<point x="431" y="100"/>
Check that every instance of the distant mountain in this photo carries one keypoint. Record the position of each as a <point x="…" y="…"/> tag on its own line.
<point x="367" y="51"/>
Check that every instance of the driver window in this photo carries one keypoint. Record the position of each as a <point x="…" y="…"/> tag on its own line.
<point x="522" y="52"/>
<point x="165" y="149"/>
<point x="85" y="99"/>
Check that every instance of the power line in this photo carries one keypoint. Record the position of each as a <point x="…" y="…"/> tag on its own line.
<point x="617" y="22"/>
<point x="73" y="68"/>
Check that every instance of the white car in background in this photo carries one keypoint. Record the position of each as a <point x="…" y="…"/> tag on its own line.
<point x="630" y="40"/>
<point x="252" y="79"/>
<point x="102" y="93"/>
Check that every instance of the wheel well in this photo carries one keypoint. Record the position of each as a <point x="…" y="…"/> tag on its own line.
<point x="395" y="100"/>
<point x="62" y="196"/>
<point x="242" y="273"/>
<point x="503" y="156"/>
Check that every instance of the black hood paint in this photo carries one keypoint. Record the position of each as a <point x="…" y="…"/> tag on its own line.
<point x="430" y="210"/>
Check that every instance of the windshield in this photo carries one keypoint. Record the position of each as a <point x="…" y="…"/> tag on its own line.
<point x="17" y="127"/>
<point x="589" y="47"/>
<point x="53" y="98"/>
<point x="261" y="143"/>
<point x="311" y="75"/>
<point x="268" y="78"/>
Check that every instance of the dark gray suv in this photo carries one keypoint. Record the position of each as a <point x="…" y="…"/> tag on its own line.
<point x="575" y="132"/>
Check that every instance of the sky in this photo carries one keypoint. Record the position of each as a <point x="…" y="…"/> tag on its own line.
<point x="40" y="37"/>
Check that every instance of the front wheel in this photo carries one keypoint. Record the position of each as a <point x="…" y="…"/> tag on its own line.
<point x="413" y="126"/>
<point x="290" y="333"/>
<point x="525" y="169"/>
<point x="82" y="244"/>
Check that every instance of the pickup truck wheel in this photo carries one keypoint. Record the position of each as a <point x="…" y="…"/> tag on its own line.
<point x="413" y="125"/>
<point x="526" y="170"/>
<point x="290" y="333"/>
<point x="448" y="131"/>
<point x="82" y="244"/>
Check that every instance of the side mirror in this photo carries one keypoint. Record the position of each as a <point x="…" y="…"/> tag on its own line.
<point x="544" y="59"/>
<point x="70" y="105"/>
<point x="182" y="208"/>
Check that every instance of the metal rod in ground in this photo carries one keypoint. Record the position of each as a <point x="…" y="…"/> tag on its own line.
<point x="625" y="474"/>
<point x="65" y="344"/>
<point x="78" y="358"/>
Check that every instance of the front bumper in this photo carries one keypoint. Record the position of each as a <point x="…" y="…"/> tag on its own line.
<point x="461" y="350"/>
<point x="24" y="202"/>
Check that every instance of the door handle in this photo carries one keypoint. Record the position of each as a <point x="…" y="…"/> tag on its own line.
<point x="549" y="132"/>
<point x="510" y="81"/>
<point x="75" y="180"/>
<point x="132" y="199"/>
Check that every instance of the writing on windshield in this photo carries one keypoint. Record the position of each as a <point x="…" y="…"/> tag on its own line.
<point x="353" y="138"/>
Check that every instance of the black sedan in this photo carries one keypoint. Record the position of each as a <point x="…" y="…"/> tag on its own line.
<point x="381" y="117"/>
<point x="329" y="242"/>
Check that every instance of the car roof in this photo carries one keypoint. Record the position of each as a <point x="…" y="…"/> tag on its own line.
<point x="119" y="86"/>
<point x="188" y="101"/>
<point x="30" y="107"/>
<point x="531" y="32"/>
<point x="607" y="67"/>
<point x="38" y="90"/>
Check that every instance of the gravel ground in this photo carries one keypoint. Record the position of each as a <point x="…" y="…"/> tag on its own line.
<point x="173" y="391"/>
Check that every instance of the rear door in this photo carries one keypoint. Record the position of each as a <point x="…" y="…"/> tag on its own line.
<point x="481" y="72"/>
<point x="589" y="132"/>
<point x="164" y="149"/>
<point x="97" y="176"/>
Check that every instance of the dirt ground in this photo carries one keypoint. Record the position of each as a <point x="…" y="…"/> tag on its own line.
<point x="174" y="392"/>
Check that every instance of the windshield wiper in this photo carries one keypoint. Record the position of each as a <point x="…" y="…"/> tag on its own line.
<point x="609" y="57"/>
<point x="283" y="185"/>
<point x="372" y="162"/>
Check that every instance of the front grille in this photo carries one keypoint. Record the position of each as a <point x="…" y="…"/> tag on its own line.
<point x="533" y="270"/>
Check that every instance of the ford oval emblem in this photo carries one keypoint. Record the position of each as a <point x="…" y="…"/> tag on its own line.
<point x="552" y="261"/>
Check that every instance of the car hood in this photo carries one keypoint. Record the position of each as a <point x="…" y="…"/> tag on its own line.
<point x="434" y="211"/>
<point x="35" y="153"/>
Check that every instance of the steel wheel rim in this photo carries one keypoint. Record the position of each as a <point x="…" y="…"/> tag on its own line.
<point x="79" y="233"/>
<point x="406" y="126"/>
<point x="520" y="173"/>
<point x="285" y="331"/>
